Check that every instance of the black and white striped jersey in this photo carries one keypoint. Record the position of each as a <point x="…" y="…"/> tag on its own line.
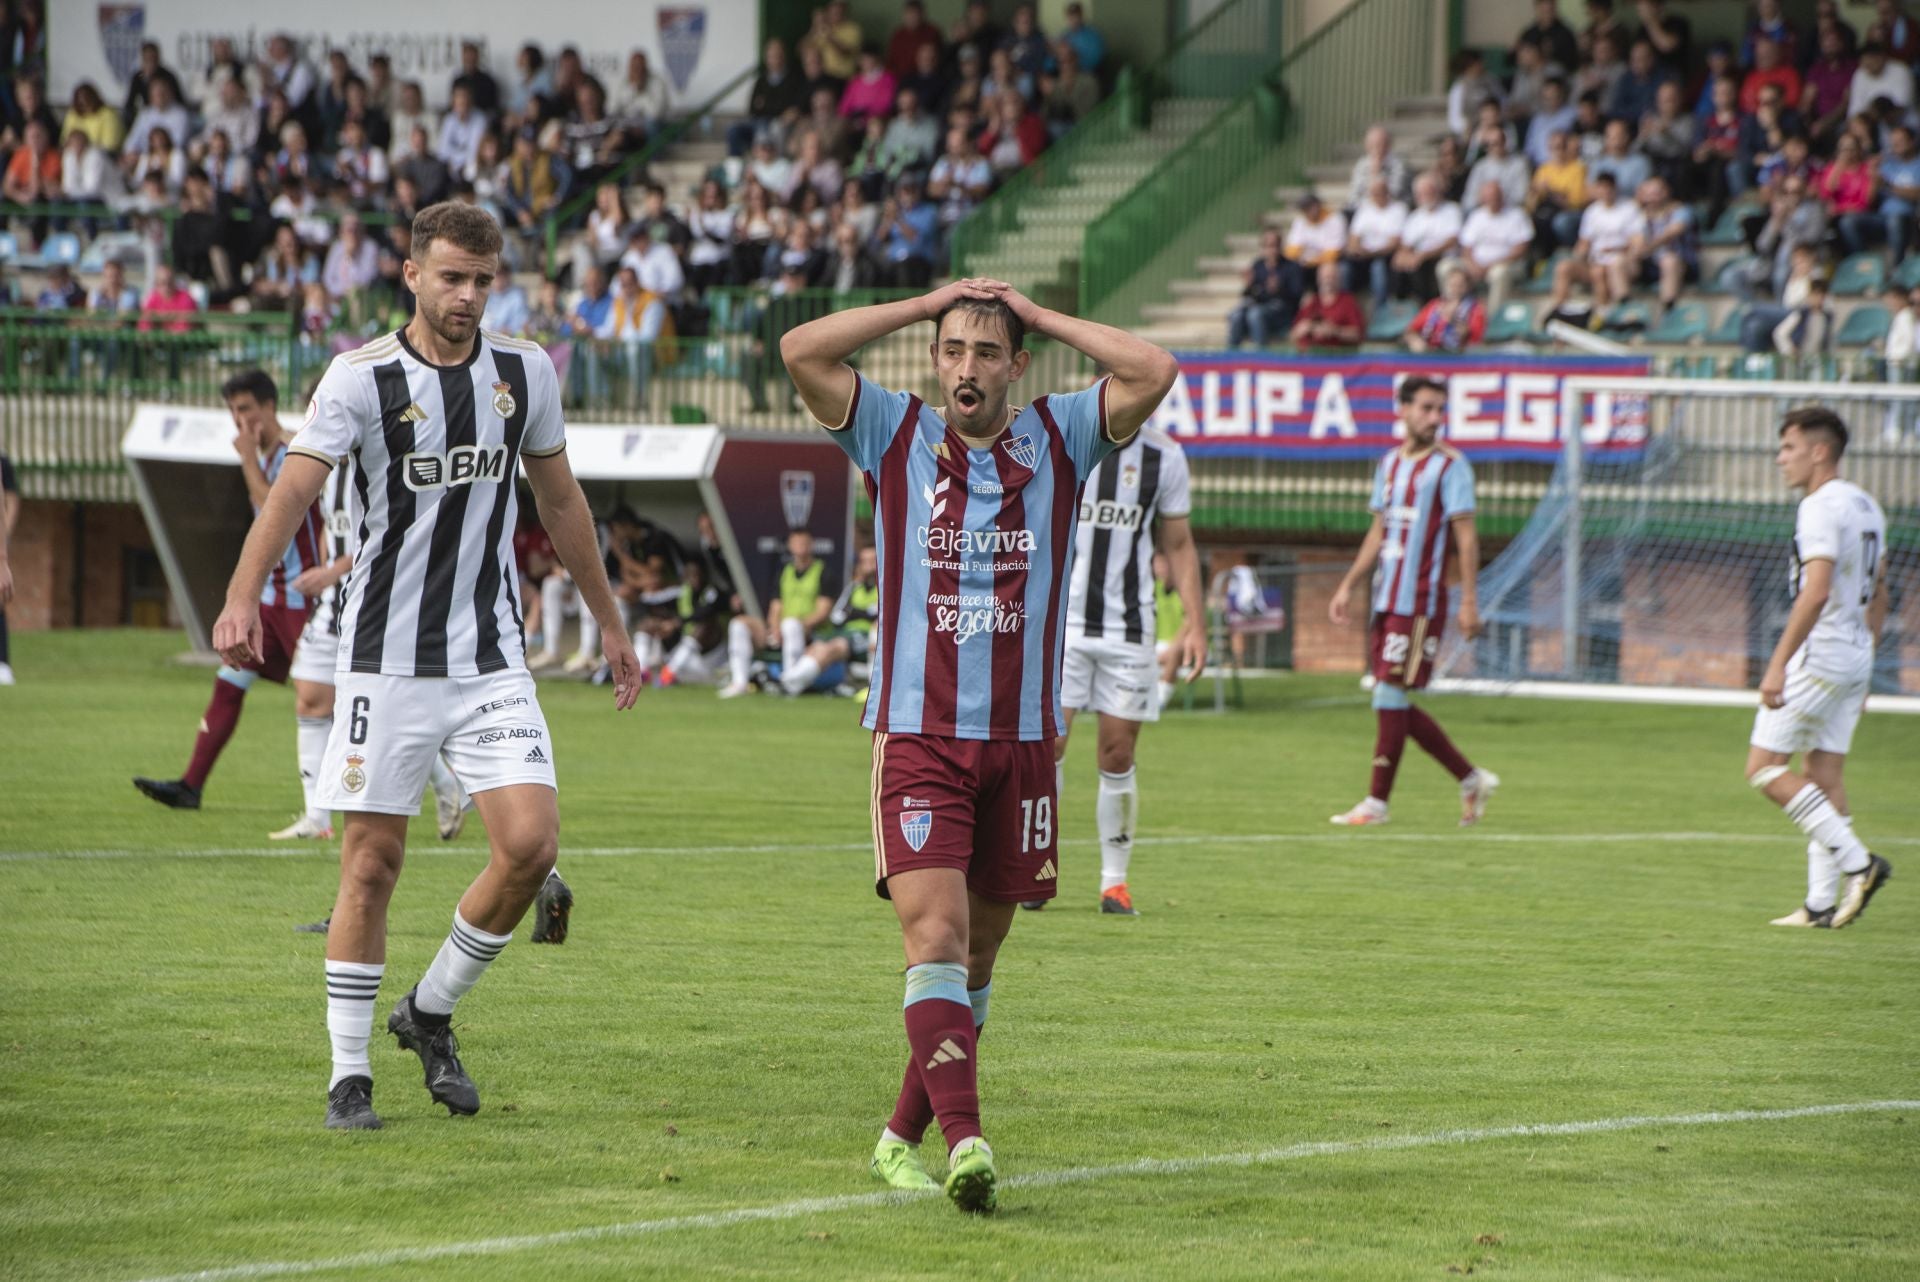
<point x="336" y="506"/>
<point x="1112" y="589"/>
<point x="435" y="450"/>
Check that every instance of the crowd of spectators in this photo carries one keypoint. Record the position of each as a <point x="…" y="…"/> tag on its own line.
<point x="1596" y="164"/>
<point x="859" y="153"/>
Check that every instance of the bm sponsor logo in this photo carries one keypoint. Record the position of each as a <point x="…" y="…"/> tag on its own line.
<point x="461" y="465"/>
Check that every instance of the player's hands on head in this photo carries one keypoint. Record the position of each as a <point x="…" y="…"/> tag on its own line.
<point x="972" y="287"/>
<point x="236" y="633"/>
<point x="624" y="665"/>
<point x="1025" y="308"/>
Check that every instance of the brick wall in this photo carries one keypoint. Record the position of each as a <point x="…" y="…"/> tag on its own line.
<point x="43" y="550"/>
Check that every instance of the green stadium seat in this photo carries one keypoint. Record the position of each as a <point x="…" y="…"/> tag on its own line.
<point x="1683" y="323"/>
<point x="1629" y="317"/>
<point x="1907" y="274"/>
<point x="1513" y="323"/>
<point x="1728" y="330"/>
<point x="1542" y="281"/>
<point x="1727" y="279"/>
<point x="1865" y="325"/>
<point x="1390" y="321"/>
<point x="1728" y="230"/>
<point x="1861" y="274"/>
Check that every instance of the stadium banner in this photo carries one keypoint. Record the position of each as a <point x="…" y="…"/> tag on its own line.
<point x="1328" y="408"/>
<point x="693" y="48"/>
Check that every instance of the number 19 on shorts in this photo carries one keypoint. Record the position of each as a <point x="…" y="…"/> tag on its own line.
<point x="1036" y="825"/>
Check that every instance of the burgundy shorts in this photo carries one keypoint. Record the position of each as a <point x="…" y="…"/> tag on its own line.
<point x="280" y="629"/>
<point x="984" y="807"/>
<point x="1404" y="647"/>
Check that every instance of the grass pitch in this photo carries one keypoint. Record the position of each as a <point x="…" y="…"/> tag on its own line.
<point x="719" y="1042"/>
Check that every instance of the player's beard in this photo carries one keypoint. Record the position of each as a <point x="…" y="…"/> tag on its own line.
<point x="451" y="329"/>
<point x="982" y="416"/>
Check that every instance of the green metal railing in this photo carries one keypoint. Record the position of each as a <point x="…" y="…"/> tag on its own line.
<point x="1230" y="50"/>
<point x="668" y="135"/>
<point x="1325" y="93"/>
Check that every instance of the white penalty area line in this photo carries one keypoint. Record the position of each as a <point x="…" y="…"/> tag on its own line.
<point x="329" y="850"/>
<point x="1039" y="1179"/>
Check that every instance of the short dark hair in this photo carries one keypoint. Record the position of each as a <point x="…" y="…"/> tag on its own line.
<point x="1820" y="423"/>
<point x="992" y="308"/>
<point x="467" y="227"/>
<point x="256" y="383"/>
<point x="1414" y="384"/>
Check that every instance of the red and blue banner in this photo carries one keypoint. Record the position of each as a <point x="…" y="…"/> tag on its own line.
<point x="1258" y="405"/>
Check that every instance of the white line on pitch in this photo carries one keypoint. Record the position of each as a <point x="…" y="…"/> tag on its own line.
<point x="316" y="850"/>
<point x="1039" y="1179"/>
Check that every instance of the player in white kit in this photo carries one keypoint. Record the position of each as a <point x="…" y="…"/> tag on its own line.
<point x="1111" y="666"/>
<point x="1816" y="685"/>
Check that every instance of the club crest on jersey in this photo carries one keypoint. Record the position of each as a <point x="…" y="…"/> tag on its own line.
<point x="354" y="777"/>
<point x="796" y="498"/>
<point x="1130" y="475"/>
<point x="503" y="403"/>
<point x="1023" y="450"/>
<point x="916" y="826"/>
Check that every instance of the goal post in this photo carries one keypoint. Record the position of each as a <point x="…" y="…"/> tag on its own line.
<point x="1660" y="572"/>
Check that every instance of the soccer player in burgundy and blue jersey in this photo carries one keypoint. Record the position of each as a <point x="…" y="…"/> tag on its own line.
<point x="1422" y="495"/>
<point x="254" y="402"/>
<point x="974" y="509"/>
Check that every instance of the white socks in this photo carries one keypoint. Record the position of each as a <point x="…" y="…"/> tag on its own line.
<point x="458" y="966"/>
<point x="351" y="988"/>
<point x="647" y="648"/>
<point x="310" y="739"/>
<point x="801" y="676"/>
<point x="1816" y="817"/>
<point x="687" y="663"/>
<point x="1823" y="878"/>
<point x="1116" y="810"/>
<point x="793" y="643"/>
<point x="739" y="650"/>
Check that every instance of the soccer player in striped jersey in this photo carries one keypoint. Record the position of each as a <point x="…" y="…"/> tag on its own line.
<point x="1111" y="667"/>
<point x="1422" y="498"/>
<point x="284" y="596"/>
<point x="974" y="506"/>
<point x="1816" y="683"/>
<point x="436" y="418"/>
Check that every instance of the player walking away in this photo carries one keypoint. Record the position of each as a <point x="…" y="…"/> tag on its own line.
<point x="1111" y="667"/>
<point x="9" y="513"/>
<point x="853" y="617"/>
<point x="800" y="604"/>
<point x="436" y="417"/>
<point x="254" y="402"/>
<point x="1816" y="684"/>
<point x="1422" y="490"/>
<point x="974" y="507"/>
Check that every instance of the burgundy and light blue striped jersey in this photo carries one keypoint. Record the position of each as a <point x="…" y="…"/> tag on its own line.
<point x="306" y="550"/>
<point x="976" y="552"/>
<point x="1419" y="497"/>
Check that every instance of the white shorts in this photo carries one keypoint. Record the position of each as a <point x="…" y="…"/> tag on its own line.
<point x="1116" y="677"/>
<point x="1820" y="712"/>
<point x="317" y="655"/>
<point x="387" y="731"/>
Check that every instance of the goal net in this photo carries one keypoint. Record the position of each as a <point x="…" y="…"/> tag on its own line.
<point x="1664" y="568"/>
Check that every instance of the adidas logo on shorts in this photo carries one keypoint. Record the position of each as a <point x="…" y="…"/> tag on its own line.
<point x="535" y="758"/>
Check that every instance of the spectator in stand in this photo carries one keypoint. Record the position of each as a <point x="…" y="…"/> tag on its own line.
<point x="1599" y="75"/>
<point x="1670" y="35"/>
<point x="1793" y="221"/>
<point x="1552" y="38"/>
<point x="1720" y="65"/>
<point x="1903" y="335"/>
<point x="594" y="139"/>
<point x="161" y="159"/>
<point x="928" y="81"/>
<point x="483" y="91"/>
<point x="360" y="167"/>
<point x="812" y="168"/>
<point x="352" y="261"/>
<point x="1617" y="157"/>
<point x="88" y="177"/>
<point x="909" y="236"/>
<point x="284" y="69"/>
<point x="778" y="100"/>
<point x="968" y="88"/>
<point x="1555" y="116"/>
<point x="1450" y="323"/>
<point x="592" y="322"/>
<point x="1379" y="160"/>
<point x="1067" y="93"/>
<point x="1807" y="330"/>
<point x="824" y="119"/>
<point x="1900" y="188"/>
<point x="1589" y="127"/>
<point x="1373" y="235"/>
<point x="1793" y="160"/>
<point x="974" y="30"/>
<point x="606" y="232"/>
<point x="1770" y="70"/>
<point x="1557" y="198"/>
<point x="536" y="181"/>
<point x="409" y="115"/>
<point x="1602" y="259"/>
<point x="753" y="232"/>
<point x="1471" y="86"/>
<point x="1317" y="235"/>
<point x="961" y="179"/>
<point x="148" y="74"/>
<point x="297" y="205"/>
<point x="1666" y="138"/>
<point x="1013" y="137"/>
<point x="507" y="311"/>
<point x="1329" y="317"/>
<point x="710" y="224"/>
<point x="1879" y="76"/>
<point x="848" y="265"/>
<point x="796" y="255"/>
<point x="912" y="137"/>
<point x="1493" y="245"/>
<point x="1003" y="74"/>
<point x="643" y="327"/>
<point x="295" y="159"/>
<point x="223" y="65"/>
<point x="1634" y="92"/>
<point x="548" y="322"/>
<point x="89" y="114"/>
<point x="1825" y="96"/>
<point x="1490" y="117"/>
<point x="198" y="232"/>
<point x="836" y="38"/>
<point x="1529" y="81"/>
<point x="532" y="81"/>
<point x="383" y="91"/>
<point x="460" y="131"/>
<point x="654" y="264"/>
<point x="856" y="211"/>
<point x="1846" y="187"/>
<point x="168" y="297"/>
<point x="1763" y="134"/>
<point x="912" y="35"/>
<point x="332" y="99"/>
<point x="1721" y="173"/>
<point x="641" y="104"/>
<point x="33" y="171"/>
<point x="163" y="111"/>
<point x="232" y="115"/>
<point x="1770" y="24"/>
<point x="1756" y="328"/>
<point x="427" y="172"/>
<point x="1268" y="299"/>
<point x="1450" y="168"/>
<point x="112" y="296"/>
<point x="61" y="293"/>
<point x="360" y="109"/>
<point x="1498" y="166"/>
<point x="1667" y="253"/>
<point x="285" y="269"/>
<point x="1027" y="44"/>
<point x="1894" y="29"/>
<point x="1087" y="42"/>
<point x="1602" y="24"/>
<point x="1431" y="232"/>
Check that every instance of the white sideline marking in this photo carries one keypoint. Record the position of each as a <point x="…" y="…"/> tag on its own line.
<point x="330" y="851"/>
<point x="1039" y="1179"/>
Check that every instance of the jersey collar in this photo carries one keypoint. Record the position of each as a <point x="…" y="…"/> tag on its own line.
<point x="472" y="355"/>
